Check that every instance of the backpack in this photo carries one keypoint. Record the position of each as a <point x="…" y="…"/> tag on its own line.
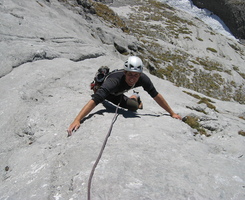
<point x="99" y="78"/>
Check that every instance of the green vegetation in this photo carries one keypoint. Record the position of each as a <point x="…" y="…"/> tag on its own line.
<point x="237" y="70"/>
<point x="204" y="100"/>
<point x="234" y="47"/>
<point x="109" y="15"/>
<point x="212" y="50"/>
<point x="200" y="39"/>
<point x="193" y="122"/>
<point x="209" y="65"/>
<point x="207" y="102"/>
<point x="39" y="3"/>
<point x="187" y="38"/>
<point x="241" y="117"/>
<point x="157" y="11"/>
<point x="241" y="133"/>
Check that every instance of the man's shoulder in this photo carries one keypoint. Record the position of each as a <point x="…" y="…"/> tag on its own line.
<point x="118" y="73"/>
<point x="144" y="77"/>
<point x="114" y="77"/>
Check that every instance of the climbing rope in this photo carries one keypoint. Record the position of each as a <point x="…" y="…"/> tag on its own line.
<point x="101" y="152"/>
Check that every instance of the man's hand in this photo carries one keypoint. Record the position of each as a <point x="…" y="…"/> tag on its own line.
<point x="176" y="116"/>
<point x="85" y="110"/>
<point x="73" y="127"/>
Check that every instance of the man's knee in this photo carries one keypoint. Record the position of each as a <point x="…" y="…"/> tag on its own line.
<point x="132" y="104"/>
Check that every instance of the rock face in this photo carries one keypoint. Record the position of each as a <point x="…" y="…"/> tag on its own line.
<point x="49" y="53"/>
<point x="232" y="12"/>
<point x="56" y="39"/>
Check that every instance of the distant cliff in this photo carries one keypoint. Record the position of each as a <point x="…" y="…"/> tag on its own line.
<point x="232" y="12"/>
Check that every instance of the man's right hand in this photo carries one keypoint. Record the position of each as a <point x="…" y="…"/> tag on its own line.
<point x="85" y="110"/>
<point x="73" y="127"/>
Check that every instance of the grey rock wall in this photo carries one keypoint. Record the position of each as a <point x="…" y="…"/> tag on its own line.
<point x="232" y="12"/>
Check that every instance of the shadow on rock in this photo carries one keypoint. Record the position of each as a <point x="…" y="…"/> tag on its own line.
<point x="111" y="108"/>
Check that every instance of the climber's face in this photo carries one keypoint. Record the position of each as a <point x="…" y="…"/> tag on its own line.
<point x="132" y="77"/>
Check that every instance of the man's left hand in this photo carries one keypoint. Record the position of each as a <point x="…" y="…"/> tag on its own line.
<point x="176" y="116"/>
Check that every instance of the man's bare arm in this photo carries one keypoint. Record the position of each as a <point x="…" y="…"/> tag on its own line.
<point x="163" y="103"/>
<point x="77" y="121"/>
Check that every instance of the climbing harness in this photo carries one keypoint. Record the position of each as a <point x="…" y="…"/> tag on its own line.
<point x="101" y="151"/>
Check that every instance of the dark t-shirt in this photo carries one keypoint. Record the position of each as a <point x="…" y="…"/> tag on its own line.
<point x="115" y="84"/>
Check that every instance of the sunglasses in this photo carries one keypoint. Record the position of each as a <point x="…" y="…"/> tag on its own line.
<point x="135" y="75"/>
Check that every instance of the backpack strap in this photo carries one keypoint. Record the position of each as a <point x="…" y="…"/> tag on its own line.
<point x="112" y="72"/>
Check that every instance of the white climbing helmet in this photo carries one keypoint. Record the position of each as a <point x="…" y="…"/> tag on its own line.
<point x="134" y="64"/>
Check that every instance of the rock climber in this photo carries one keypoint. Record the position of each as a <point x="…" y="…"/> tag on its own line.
<point x="116" y="84"/>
